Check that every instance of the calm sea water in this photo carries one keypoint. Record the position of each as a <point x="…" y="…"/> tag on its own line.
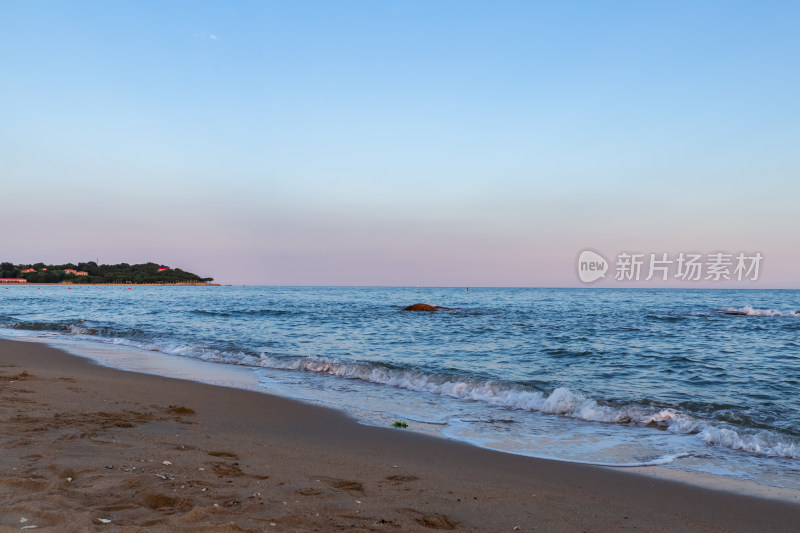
<point x="696" y="380"/>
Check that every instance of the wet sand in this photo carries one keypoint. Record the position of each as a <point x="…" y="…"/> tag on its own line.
<point x="82" y="444"/>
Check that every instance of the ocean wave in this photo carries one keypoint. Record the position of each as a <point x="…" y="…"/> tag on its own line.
<point x="750" y="311"/>
<point x="135" y="338"/>
<point x="561" y="401"/>
<point x="760" y="442"/>
<point x="74" y="327"/>
<point x="243" y="312"/>
<point x="666" y="318"/>
<point x="69" y="326"/>
<point x="211" y="354"/>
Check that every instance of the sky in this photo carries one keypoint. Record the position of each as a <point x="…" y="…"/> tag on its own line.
<point x="431" y="143"/>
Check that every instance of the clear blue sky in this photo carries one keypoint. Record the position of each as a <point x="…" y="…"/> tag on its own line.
<point x="398" y="142"/>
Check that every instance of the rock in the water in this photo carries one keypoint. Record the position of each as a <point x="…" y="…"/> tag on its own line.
<point x="421" y="307"/>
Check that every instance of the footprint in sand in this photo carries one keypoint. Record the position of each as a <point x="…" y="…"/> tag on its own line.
<point x="432" y="521"/>
<point x="162" y="502"/>
<point x="224" y="454"/>
<point x="342" y="484"/>
<point x="402" y="479"/>
<point x="309" y="492"/>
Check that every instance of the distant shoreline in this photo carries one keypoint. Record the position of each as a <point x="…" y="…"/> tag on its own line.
<point x="110" y="284"/>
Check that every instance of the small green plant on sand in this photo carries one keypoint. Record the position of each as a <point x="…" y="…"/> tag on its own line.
<point x="400" y="425"/>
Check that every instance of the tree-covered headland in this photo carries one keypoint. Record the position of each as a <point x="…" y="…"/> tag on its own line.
<point x="91" y="272"/>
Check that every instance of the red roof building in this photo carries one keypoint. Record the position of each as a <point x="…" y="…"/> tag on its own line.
<point x="13" y="280"/>
<point x="28" y="270"/>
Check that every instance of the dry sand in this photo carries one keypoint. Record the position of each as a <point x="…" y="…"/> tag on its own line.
<point x="81" y="443"/>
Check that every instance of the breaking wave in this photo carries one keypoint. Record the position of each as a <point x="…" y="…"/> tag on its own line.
<point x="41" y="326"/>
<point x="761" y="442"/>
<point x="243" y="312"/>
<point x="749" y="311"/>
<point x="561" y="401"/>
<point x="75" y="327"/>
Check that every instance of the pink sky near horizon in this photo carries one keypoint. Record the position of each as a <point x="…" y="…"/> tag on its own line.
<point x="292" y="250"/>
<point x="410" y="143"/>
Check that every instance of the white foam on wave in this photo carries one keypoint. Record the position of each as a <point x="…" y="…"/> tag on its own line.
<point x="663" y="460"/>
<point x="205" y="353"/>
<point x="561" y="401"/>
<point x="759" y="441"/>
<point x="750" y="311"/>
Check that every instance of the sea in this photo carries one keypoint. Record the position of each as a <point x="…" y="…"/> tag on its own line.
<point x="697" y="381"/>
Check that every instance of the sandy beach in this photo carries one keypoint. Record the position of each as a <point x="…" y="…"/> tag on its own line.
<point x="89" y="448"/>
